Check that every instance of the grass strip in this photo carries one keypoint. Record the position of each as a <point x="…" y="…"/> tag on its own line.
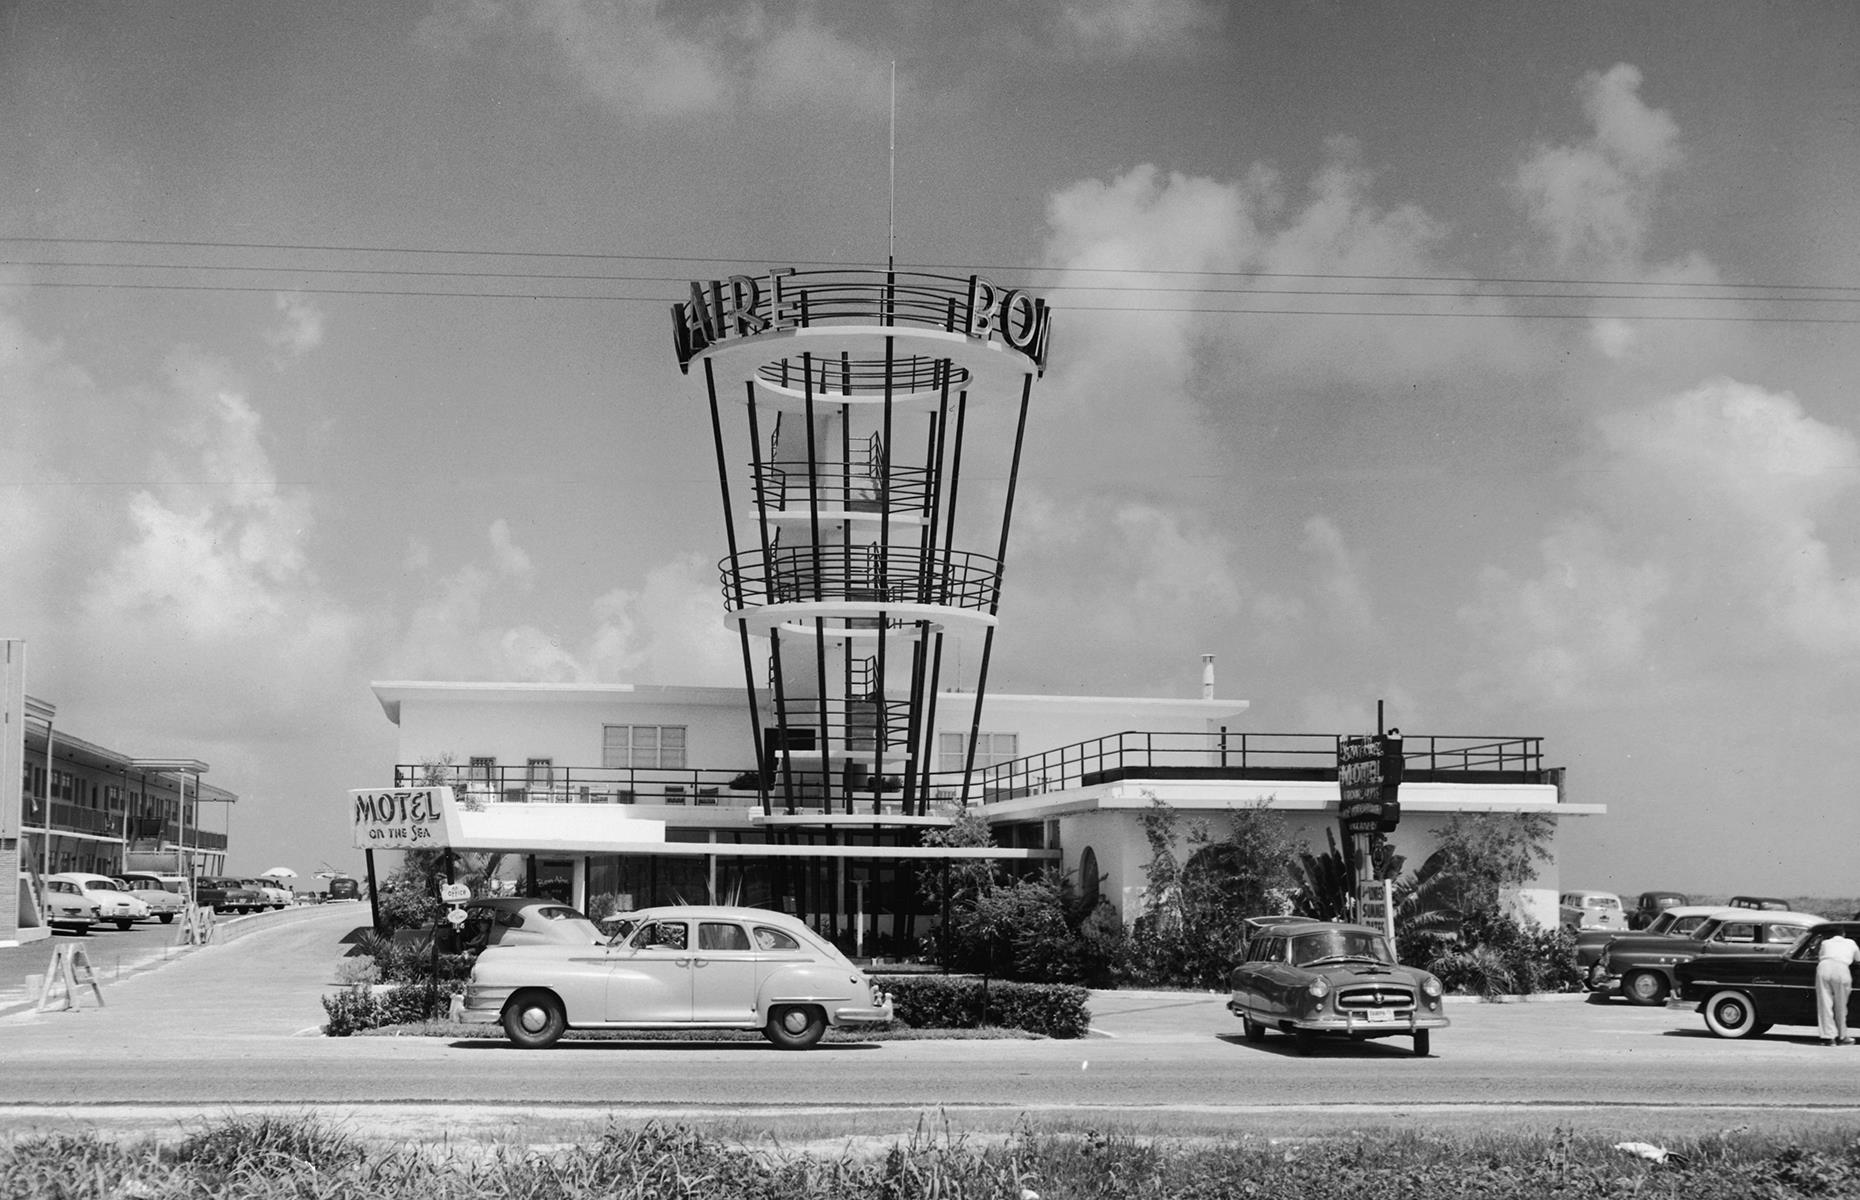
<point x="272" y="1157"/>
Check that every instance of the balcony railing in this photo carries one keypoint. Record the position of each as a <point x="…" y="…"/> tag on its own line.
<point x="109" y="823"/>
<point x="1229" y="755"/>
<point x="588" y="785"/>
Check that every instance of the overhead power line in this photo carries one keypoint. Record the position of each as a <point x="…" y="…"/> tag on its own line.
<point x="1473" y="290"/>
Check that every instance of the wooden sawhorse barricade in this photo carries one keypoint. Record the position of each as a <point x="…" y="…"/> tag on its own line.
<point x="69" y="969"/>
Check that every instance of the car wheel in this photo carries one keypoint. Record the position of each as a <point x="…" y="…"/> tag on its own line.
<point x="124" y="925"/>
<point x="1422" y="1043"/>
<point x="167" y="918"/>
<point x="1645" y="988"/>
<point x="1730" y="1014"/>
<point x="1254" y="1031"/>
<point x="1304" y="1040"/>
<point x="534" y="1020"/>
<point x="795" y="1027"/>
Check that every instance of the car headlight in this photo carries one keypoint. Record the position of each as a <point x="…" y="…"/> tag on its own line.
<point x="1318" y="988"/>
<point x="1431" y="986"/>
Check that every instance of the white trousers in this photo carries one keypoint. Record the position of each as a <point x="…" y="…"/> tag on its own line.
<point x="1834" y="982"/>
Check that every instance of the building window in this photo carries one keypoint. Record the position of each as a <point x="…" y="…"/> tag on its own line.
<point x="658" y="746"/>
<point x="990" y="750"/>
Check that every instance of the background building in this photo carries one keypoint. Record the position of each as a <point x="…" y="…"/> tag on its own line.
<point x="81" y="806"/>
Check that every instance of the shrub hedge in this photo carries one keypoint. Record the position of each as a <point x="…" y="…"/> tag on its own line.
<point x="360" y="1007"/>
<point x="1056" y="1010"/>
<point x="922" y="1002"/>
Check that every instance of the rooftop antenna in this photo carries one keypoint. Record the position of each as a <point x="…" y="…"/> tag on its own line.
<point x="891" y="209"/>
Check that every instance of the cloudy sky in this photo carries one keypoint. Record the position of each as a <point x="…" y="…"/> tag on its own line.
<point x="1494" y="361"/>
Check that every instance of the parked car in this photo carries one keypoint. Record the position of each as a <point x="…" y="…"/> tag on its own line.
<point x="1743" y="995"/>
<point x="1678" y="920"/>
<point x="680" y="968"/>
<point x="274" y="895"/>
<point x="227" y="896"/>
<point x="163" y="904"/>
<point x="1764" y="903"/>
<point x="1311" y="978"/>
<point x="66" y="906"/>
<point x="113" y="904"/>
<point x="525" y="921"/>
<point x="1591" y="910"/>
<point x="1641" y="966"/>
<point x="1649" y="905"/>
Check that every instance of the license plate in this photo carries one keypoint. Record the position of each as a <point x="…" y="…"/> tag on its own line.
<point x="1380" y="1016"/>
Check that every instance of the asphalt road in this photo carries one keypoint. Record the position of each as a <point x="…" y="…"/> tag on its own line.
<point x="233" y="1025"/>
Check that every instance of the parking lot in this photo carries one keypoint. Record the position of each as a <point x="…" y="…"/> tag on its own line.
<point x="237" y="1025"/>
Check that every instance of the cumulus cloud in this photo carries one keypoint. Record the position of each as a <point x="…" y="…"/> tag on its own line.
<point x="299" y="328"/>
<point x="649" y="59"/>
<point x="1121" y="27"/>
<point x="511" y="559"/>
<point x="175" y="585"/>
<point x="669" y="630"/>
<point x="1593" y="199"/>
<point x="1338" y="581"/>
<point x="1705" y="545"/>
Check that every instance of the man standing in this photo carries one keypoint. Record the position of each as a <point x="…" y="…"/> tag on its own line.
<point x="1834" y="982"/>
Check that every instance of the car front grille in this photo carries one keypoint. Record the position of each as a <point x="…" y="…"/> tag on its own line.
<point x="1375" y="996"/>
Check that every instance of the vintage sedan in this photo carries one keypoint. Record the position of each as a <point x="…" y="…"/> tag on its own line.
<point x="164" y="905"/>
<point x="1743" y="995"/>
<point x="1641" y="966"/>
<point x="1649" y="905"/>
<point x="113" y="904"/>
<point x="1765" y="903"/>
<point x="683" y="967"/>
<point x="1592" y="910"/>
<point x="525" y="921"/>
<point x="67" y="907"/>
<point x="228" y="896"/>
<point x="1323" y="978"/>
<point x="1678" y="920"/>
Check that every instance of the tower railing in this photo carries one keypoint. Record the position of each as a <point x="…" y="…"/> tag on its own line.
<point x="781" y="486"/>
<point x="897" y="575"/>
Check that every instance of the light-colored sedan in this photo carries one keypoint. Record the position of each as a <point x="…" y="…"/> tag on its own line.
<point x="164" y="905"/>
<point x="66" y="906"/>
<point x="112" y="902"/>
<point x="525" y="921"/>
<point x="683" y="967"/>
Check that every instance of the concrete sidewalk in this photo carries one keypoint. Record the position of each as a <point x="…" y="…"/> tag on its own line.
<point x="263" y="975"/>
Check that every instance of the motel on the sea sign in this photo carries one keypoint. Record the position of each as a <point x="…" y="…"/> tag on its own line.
<point x="403" y="818"/>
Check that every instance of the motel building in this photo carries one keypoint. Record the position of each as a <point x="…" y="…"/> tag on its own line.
<point x="869" y="429"/>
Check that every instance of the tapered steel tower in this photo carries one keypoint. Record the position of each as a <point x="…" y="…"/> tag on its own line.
<point x="840" y="405"/>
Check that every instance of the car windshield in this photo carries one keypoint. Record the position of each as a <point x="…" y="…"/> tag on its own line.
<point x="1338" y="945"/>
<point x="102" y="885"/>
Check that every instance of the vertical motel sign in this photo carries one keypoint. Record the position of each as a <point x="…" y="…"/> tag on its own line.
<point x="1368" y="776"/>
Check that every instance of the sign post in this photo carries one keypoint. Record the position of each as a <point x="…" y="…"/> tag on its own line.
<point x="1368" y="798"/>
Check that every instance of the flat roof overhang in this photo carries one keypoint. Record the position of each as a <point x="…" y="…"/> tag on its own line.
<point x="755" y="850"/>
